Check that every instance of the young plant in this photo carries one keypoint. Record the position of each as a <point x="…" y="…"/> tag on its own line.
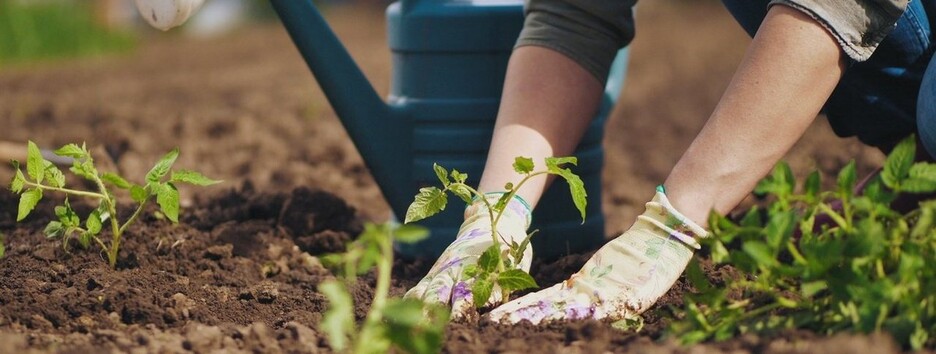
<point x="495" y="266"/>
<point x="406" y="324"/>
<point x="824" y="261"/>
<point x="2" y="246"/>
<point x="43" y="176"/>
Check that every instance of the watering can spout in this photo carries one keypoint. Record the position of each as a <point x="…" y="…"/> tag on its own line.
<point x="361" y="110"/>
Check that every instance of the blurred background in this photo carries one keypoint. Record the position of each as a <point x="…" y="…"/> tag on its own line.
<point x="230" y="89"/>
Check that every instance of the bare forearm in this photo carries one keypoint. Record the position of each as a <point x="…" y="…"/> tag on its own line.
<point x="788" y="73"/>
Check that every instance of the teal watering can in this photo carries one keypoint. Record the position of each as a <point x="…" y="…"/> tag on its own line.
<point x="449" y="62"/>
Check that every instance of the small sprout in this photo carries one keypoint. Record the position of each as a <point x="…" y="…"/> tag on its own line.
<point x="42" y="176"/>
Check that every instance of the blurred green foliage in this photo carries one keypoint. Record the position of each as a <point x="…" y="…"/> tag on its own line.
<point x="36" y="30"/>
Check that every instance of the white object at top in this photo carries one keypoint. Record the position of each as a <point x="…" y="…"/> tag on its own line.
<point x="166" y="14"/>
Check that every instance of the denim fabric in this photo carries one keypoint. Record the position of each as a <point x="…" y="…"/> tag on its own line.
<point x="880" y="100"/>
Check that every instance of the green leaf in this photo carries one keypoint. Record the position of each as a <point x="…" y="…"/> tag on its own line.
<point x="428" y="202"/>
<point x="898" y="163"/>
<point x="917" y="185"/>
<point x="489" y="259"/>
<point x="846" y="179"/>
<point x="167" y="196"/>
<point x="461" y="191"/>
<point x="192" y="177"/>
<point x="576" y="186"/>
<point x="414" y="326"/>
<point x="812" y="185"/>
<point x="410" y="233"/>
<point x="27" y="202"/>
<point x="501" y="203"/>
<point x="18" y="180"/>
<point x="555" y="163"/>
<point x="34" y="162"/>
<point x="697" y="277"/>
<point x="515" y="279"/>
<point x="138" y="194"/>
<point x="53" y="175"/>
<point x="162" y="166"/>
<point x="441" y="173"/>
<point x="459" y="177"/>
<point x="760" y="252"/>
<point x="481" y="291"/>
<point x="523" y="165"/>
<point x="2" y="247"/>
<point x="93" y="224"/>
<point x="470" y="271"/>
<point x="338" y="322"/>
<point x="812" y="288"/>
<point x="115" y="180"/>
<point x="73" y="151"/>
<point x="54" y="229"/>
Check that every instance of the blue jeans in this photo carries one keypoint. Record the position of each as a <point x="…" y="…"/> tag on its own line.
<point x="889" y="96"/>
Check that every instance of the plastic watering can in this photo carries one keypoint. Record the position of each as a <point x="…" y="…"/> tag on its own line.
<point x="449" y="62"/>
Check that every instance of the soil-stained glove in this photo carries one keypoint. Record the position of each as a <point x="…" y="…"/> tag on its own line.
<point x="624" y="278"/>
<point x="445" y="283"/>
<point x="166" y="14"/>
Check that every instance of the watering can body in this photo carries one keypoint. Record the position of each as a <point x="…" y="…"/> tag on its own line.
<point x="449" y="63"/>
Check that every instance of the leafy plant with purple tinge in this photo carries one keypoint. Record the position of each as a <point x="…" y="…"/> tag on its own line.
<point x="43" y="176"/>
<point x="868" y="269"/>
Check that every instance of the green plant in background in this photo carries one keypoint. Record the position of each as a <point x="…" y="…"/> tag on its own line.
<point x="869" y="269"/>
<point x="406" y="324"/>
<point x="493" y="267"/>
<point x="2" y="246"/>
<point x="43" y="176"/>
<point x="54" y="29"/>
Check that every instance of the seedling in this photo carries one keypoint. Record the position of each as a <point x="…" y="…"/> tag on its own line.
<point x="868" y="269"/>
<point x="495" y="266"/>
<point x="42" y="176"/>
<point x="406" y="324"/>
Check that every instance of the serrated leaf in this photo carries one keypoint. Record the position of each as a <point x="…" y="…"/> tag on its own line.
<point x="162" y="166"/>
<point x="34" y="162"/>
<point x="18" y="181"/>
<point x="812" y="185"/>
<point x="167" y="196"/>
<point x="115" y="180"/>
<point x="461" y="191"/>
<point x="410" y="233"/>
<point x="84" y="239"/>
<point x="523" y="165"/>
<point x="192" y="177"/>
<point x="898" y="163"/>
<point x="515" y="279"/>
<point x="470" y="271"/>
<point x="481" y="291"/>
<point x="27" y="202"/>
<point x="138" y="194"/>
<point x="846" y="179"/>
<point x="760" y="252"/>
<point x="459" y="177"/>
<point x="489" y="259"/>
<point x="54" y="229"/>
<point x="441" y="173"/>
<point x="415" y="327"/>
<point x="338" y="322"/>
<point x="917" y="185"/>
<point x="93" y="224"/>
<point x="53" y="175"/>
<point x="428" y="202"/>
<point x="73" y="151"/>
<point x="554" y="164"/>
<point x="85" y="169"/>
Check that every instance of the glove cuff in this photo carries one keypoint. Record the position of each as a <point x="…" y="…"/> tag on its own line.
<point x="662" y="214"/>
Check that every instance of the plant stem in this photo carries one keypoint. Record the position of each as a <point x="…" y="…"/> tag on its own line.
<point x="136" y="213"/>
<point x="111" y="205"/>
<point x="66" y="190"/>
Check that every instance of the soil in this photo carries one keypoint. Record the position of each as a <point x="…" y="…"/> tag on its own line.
<point x="239" y="272"/>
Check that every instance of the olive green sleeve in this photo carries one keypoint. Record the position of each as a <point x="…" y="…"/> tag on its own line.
<point x="859" y="26"/>
<point x="587" y="31"/>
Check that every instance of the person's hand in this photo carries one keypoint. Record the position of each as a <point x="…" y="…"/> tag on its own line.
<point x="622" y="279"/>
<point x="445" y="283"/>
<point x="166" y="14"/>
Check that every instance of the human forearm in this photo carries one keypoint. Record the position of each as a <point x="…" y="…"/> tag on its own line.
<point x="788" y="73"/>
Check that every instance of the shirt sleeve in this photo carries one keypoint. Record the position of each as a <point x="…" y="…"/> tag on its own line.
<point x="589" y="32"/>
<point x="858" y="25"/>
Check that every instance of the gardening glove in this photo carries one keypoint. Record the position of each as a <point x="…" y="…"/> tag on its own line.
<point x="624" y="278"/>
<point x="445" y="283"/>
<point x="165" y="14"/>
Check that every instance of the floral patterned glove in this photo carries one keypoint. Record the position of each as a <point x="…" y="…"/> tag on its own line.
<point x="165" y="14"/>
<point x="624" y="278"/>
<point x="445" y="282"/>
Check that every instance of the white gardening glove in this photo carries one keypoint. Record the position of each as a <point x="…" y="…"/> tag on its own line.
<point x="445" y="283"/>
<point x="166" y="14"/>
<point x="624" y="278"/>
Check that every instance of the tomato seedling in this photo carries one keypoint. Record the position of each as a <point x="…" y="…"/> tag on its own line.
<point x="495" y="266"/>
<point x="43" y="176"/>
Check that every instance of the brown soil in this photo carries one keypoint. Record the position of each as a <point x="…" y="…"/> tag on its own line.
<point x="239" y="272"/>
